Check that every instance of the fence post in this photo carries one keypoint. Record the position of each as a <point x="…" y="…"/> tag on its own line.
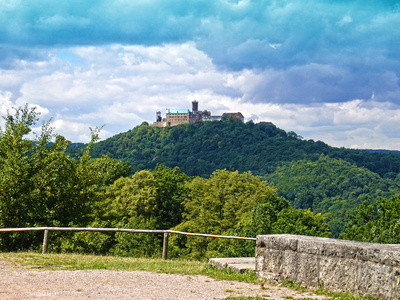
<point x="165" y="246"/>
<point x="45" y="241"/>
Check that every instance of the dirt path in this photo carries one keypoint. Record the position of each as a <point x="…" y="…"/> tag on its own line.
<point x="17" y="283"/>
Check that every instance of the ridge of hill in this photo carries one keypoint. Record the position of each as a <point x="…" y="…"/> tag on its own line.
<point x="384" y="151"/>
<point x="200" y="148"/>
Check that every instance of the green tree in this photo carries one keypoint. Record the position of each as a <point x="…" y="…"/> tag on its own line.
<point x="132" y="198"/>
<point x="171" y="193"/>
<point x="216" y="206"/>
<point x="301" y="222"/>
<point x="145" y="200"/>
<point x="15" y="172"/>
<point x="378" y="222"/>
<point x="40" y="185"/>
<point x="238" y="204"/>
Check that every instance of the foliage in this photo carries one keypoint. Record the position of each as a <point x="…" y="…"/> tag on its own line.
<point x="267" y="218"/>
<point x="132" y="197"/>
<point x="138" y="244"/>
<point x="130" y="202"/>
<point x="241" y="204"/>
<point x="40" y="185"/>
<point x="217" y="204"/>
<point x="378" y="222"/>
<point x="309" y="174"/>
<point x="329" y="186"/>
<point x="301" y="222"/>
<point x="147" y="195"/>
<point x="202" y="147"/>
<point x="145" y="200"/>
<point x="171" y="193"/>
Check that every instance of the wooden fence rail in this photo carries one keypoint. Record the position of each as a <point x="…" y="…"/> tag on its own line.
<point x="164" y="232"/>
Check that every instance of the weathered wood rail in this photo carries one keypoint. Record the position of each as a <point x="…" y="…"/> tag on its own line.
<point x="164" y="232"/>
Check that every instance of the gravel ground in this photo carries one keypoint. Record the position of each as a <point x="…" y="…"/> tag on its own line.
<point x="27" y="283"/>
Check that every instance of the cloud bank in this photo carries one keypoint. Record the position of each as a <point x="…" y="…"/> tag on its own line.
<point x="328" y="70"/>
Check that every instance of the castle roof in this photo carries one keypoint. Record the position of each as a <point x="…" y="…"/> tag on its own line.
<point x="177" y="111"/>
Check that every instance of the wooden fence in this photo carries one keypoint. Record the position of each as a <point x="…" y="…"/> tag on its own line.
<point x="164" y="232"/>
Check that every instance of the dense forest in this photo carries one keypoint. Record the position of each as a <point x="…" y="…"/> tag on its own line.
<point x="225" y="178"/>
<point x="200" y="148"/>
<point x="331" y="186"/>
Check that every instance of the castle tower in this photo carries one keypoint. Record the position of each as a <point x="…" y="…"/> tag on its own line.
<point x="195" y="106"/>
<point x="158" y="116"/>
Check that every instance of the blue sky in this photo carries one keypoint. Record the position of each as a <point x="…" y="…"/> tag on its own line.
<point x="328" y="70"/>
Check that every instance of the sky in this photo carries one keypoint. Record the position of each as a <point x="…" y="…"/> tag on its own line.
<point x="327" y="70"/>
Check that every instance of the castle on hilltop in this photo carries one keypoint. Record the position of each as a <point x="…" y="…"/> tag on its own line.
<point x="183" y="116"/>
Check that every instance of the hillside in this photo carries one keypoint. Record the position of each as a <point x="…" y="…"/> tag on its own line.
<point x="330" y="186"/>
<point x="309" y="174"/>
<point x="200" y="148"/>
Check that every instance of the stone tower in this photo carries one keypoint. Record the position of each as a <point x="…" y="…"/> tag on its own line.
<point x="158" y="116"/>
<point x="195" y="106"/>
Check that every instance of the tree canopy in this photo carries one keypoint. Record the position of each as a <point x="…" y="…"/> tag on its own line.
<point x="233" y="203"/>
<point x="41" y="185"/>
<point x="377" y="222"/>
<point x="329" y="186"/>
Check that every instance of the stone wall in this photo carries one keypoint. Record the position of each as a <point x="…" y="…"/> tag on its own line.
<point x="337" y="265"/>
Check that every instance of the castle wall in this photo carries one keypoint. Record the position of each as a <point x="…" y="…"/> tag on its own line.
<point x="177" y="117"/>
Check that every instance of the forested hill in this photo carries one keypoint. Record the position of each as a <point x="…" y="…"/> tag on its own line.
<point x="200" y="148"/>
<point x="330" y="186"/>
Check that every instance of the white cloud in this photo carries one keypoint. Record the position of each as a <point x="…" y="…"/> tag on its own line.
<point x="274" y="46"/>
<point x="354" y="124"/>
<point x="122" y="86"/>
<point x="307" y="66"/>
<point x="5" y="102"/>
<point x="345" y="20"/>
<point x="70" y="128"/>
<point x="358" y="113"/>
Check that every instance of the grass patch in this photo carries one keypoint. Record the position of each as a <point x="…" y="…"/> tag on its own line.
<point x="293" y="286"/>
<point x="344" y="296"/>
<point x="322" y="291"/>
<point x="53" y="261"/>
<point x="95" y="262"/>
